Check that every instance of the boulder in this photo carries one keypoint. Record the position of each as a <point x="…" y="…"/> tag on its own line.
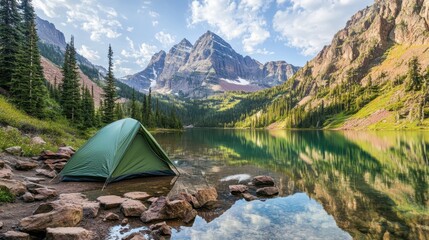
<point x="110" y="201"/>
<point x="37" y="141"/>
<point x="111" y="217"/>
<point x="69" y="233"/>
<point x="180" y="209"/>
<point x="187" y="197"/>
<point x="206" y="197"/>
<point x="237" y="189"/>
<point x="6" y="173"/>
<point x="267" y="191"/>
<point x="90" y="208"/>
<point x="16" y="150"/>
<point x="34" y="179"/>
<point x="152" y="200"/>
<point x="137" y="195"/>
<point x="156" y="211"/>
<point x="263" y="181"/>
<point x="51" y="155"/>
<point x="16" y="187"/>
<point x="160" y="229"/>
<point x="28" y="197"/>
<point x="46" y="173"/>
<point x="135" y="236"/>
<point x="132" y="208"/>
<point x="248" y="196"/>
<point x="67" y="150"/>
<point x="13" y="235"/>
<point x="52" y="215"/>
<point x="124" y="221"/>
<point x="45" y="192"/>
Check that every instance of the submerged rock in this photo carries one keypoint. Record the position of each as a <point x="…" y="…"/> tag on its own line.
<point x="267" y="191"/>
<point x="14" y="235"/>
<point x="53" y="214"/>
<point x="263" y="181"/>
<point x="237" y="189"/>
<point x="110" y="201"/>
<point x="69" y="233"/>
<point x="206" y="197"/>
<point x="137" y="195"/>
<point x="132" y="208"/>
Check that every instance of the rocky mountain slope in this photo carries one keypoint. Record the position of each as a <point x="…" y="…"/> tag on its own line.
<point x="209" y="66"/>
<point x="360" y="79"/>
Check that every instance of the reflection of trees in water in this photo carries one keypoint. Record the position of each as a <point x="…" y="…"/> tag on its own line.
<point x="364" y="179"/>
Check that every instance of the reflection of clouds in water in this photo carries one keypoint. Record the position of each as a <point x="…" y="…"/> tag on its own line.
<point x="293" y="217"/>
<point x="238" y="177"/>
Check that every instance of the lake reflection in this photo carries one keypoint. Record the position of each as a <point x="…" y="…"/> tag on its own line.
<point x="367" y="185"/>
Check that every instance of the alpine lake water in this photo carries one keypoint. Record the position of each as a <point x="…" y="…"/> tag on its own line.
<point x="333" y="185"/>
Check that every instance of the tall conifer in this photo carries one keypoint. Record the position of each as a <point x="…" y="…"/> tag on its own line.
<point x="109" y="91"/>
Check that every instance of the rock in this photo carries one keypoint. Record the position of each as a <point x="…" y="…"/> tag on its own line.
<point x="46" y="173"/>
<point x="1" y="225"/>
<point x="51" y="155"/>
<point x="156" y="211"/>
<point x="90" y="208"/>
<point x="152" y="200"/>
<point x="67" y="150"/>
<point x="16" y="150"/>
<point x="267" y="191"/>
<point x="110" y="201"/>
<point x="37" y="141"/>
<point x="69" y="233"/>
<point x="132" y="208"/>
<point x="43" y="193"/>
<point x="187" y="197"/>
<point x="57" y="166"/>
<point x="135" y="236"/>
<point x="6" y="173"/>
<point x="25" y="165"/>
<point x="124" y="222"/>
<point x="160" y="229"/>
<point x="28" y="197"/>
<point x="52" y="215"/>
<point x="34" y="179"/>
<point x="180" y="209"/>
<point x="248" y="196"/>
<point x="2" y="164"/>
<point x="137" y="195"/>
<point x="237" y="189"/>
<point x="16" y="187"/>
<point x="13" y="235"/>
<point x="206" y="197"/>
<point x="263" y="181"/>
<point x="111" y="217"/>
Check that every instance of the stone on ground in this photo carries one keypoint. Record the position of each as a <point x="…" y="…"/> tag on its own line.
<point x="132" y="208"/>
<point x="156" y="211"/>
<point x="25" y="165"/>
<point x="15" y="150"/>
<point x="124" y="221"/>
<point x="248" y="196"/>
<point x="180" y="209"/>
<point x="135" y="236"/>
<point x="13" y="235"/>
<point x="90" y="208"/>
<point x="44" y="193"/>
<point x="111" y="217"/>
<point x="137" y="195"/>
<point x="34" y="179"/>
<point x="2" y="164"/>
<point x="6" y="173"/>
<point x="53" y="214"/>
<point x="16" y="187"/>
<point x="37" y="141"/>
<point x="1" y="225"/>
<point x="69" y="233"/>
<point x="237" y="189"/>
<point x="160" y="229"/>
<point x="110" y="201"/>
<point x="28" y="197"/>
<point x="263" y="181"/>
<point x="267" y="191"/>
<point x="46" y="173"/>
<point x="187" y="197"/>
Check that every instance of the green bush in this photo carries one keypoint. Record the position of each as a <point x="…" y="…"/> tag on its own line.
<point x="6" y="195"/>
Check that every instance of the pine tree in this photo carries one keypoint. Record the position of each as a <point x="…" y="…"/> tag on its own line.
<point x="414" y="79"/>
<point x="88" y="111"/>
<point x="109" y="91"/>
<point x="70" y="90"/>
<point x="144" y="111"/>
<point x="28" y="84"/>
<point x="10" y="39"/>
<point x="119" y="112"/>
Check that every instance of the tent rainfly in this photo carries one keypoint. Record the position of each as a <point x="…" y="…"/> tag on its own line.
<point x="121" y="150"/>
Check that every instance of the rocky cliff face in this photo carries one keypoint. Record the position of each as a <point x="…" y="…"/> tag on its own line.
<point x="49" y="34"/>
<point x="209" y="66"/>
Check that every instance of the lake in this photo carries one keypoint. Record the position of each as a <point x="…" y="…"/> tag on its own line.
<point x="333" y="185"/>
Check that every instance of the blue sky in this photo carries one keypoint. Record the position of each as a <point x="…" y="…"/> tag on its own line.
<point x="290" y="30"/>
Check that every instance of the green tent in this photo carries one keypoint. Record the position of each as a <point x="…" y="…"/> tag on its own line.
<point x="121" y="150"/>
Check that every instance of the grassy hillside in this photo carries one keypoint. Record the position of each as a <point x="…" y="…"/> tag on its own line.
<point x="23" y="128"/>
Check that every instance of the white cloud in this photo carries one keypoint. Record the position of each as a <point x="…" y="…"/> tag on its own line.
<point x="165" y="39"/>
<point x="142" y="54"/>
<point x="92" y="55"/>
<point x="130" y="29"/>
<point x="309" y="25"/>
<point x="155" y="23"/>
<point x="234" y="19"/>
<point x="100" y="21"/>
<point x="153" y="14"/>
